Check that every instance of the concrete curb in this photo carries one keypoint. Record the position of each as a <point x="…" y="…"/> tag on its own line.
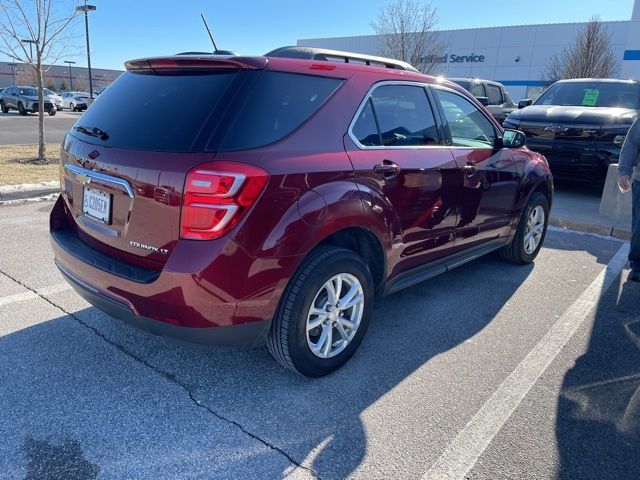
<point x="591" y="228"/>
<point x="28" y="191"/>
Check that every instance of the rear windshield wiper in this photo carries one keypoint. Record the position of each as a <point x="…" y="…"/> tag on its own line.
<point x="94" y="132"/>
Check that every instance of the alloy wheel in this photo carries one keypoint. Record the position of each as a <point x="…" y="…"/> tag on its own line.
<point x="535" y="229"/>
<point x="335" y="315"/>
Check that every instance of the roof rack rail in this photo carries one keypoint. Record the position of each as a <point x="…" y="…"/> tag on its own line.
<point x="323" y="54"/>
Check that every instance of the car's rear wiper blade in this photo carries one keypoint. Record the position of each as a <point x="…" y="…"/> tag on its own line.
<point x="94" y="132"/>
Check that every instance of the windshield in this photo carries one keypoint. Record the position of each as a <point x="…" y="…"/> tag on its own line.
<point x="79" y="94"/>
<point x="30" y="92"/>
<point x="47" y="91"/>
<point x="591" y="94"/>
<point x="463" y="83"/>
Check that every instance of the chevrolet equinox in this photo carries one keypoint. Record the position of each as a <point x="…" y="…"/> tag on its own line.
<point x="287" y="193"/>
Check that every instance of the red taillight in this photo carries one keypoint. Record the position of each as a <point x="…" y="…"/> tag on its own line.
<point x="216" y="195"/>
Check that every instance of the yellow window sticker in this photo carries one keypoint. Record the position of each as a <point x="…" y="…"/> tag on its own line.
<point x="590" y="97"/>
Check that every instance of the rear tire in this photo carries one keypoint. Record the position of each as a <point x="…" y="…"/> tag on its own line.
<point x="52" y="112"/>
<point x="530" y="233"/>
<point x="72" y="107"/>
<point x="3" y="107"/>
<point x="21" y="109"/>
<point x="294" y="342"/>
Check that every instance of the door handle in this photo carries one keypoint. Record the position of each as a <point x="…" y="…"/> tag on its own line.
<point x="469" y="169"/>
<point x="387" y="169"/>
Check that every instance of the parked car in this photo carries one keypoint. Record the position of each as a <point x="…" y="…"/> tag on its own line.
<point x="75" y="101"/>
<point x="277" y="206"/>
<point x="23" y="99"/>
<point x="54" y="97"/>
<point x="580" y="125"/>
<point x="491" y="94"/>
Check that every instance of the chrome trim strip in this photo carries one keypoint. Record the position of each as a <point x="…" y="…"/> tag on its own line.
<point x="91" y="175"/>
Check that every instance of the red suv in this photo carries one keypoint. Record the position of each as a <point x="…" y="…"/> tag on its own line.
<point x="232" y="200"/>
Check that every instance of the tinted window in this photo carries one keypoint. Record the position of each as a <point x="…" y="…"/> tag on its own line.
<point x="365" y="129"/>
<point x="31" y="92"/>
<point x="275" y="106"/>
<point x="591" y="94"/>
<point x="404" y="115"/>
<point x="495" y="95"/>
<point x="478" y="90"/>
<point x="468" y="126"/>
<point x="155" y="112"/>
<point x="463" y="83"/>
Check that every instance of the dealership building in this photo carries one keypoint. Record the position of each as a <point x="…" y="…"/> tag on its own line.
<point x="514" y="55"/>
<point x="75" y="78"/>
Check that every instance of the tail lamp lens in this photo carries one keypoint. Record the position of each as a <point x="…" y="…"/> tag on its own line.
<point x="216" y="196"/>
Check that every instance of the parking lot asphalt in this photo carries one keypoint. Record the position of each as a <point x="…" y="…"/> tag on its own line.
<point x="490" y="371"/>
<point x="16" y="129"/>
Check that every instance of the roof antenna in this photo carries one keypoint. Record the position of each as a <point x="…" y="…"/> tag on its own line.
<point x="206" y="25"/>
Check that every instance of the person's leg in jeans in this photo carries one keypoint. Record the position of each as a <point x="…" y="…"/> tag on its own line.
<point x="634" y="253"/>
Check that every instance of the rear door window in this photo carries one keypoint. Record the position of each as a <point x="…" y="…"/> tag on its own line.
<point x="273" y="107"/>
<point x="495" y="95"/>
<point x="477" y="90"/>
<point x="155" y="112"/>
<point x="365" y="128"/>
<point x="404" y="116"/>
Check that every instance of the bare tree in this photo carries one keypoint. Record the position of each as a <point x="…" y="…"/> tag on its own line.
<point x="590" y="56"/>
<point x="406" y="31"/>
<point x="36" y="32"/>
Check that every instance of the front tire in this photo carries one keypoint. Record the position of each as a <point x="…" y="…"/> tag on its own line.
<point x="324" y="312"/>
<point x="530" y="233"/>
<point x="52" y="112"/>
<point x="21" y="109"/>
<point x="72" y="107"/>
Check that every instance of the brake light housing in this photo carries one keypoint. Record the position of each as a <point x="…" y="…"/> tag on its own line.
<point x="216" y="196"/>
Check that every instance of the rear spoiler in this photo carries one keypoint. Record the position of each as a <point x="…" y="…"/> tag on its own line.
<point x="211" y="62"/>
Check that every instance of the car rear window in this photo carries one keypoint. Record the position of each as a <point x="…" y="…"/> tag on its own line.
<point x="155" y="112"/>
<point x="273" y="107"/>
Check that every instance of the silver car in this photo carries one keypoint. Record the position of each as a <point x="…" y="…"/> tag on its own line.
<point x="54" y="97"/>
<point x="75" y="101"/>
<point x="25" y="100"/>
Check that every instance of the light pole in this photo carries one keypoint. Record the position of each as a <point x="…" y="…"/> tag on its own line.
<point x="86" y="9"/>
<point x="70" y="62"/>
<point x="13" y="73"/>
<point x="31" y="43"/>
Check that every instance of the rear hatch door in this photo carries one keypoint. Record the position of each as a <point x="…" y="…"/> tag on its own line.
<point x="124" y="163"/>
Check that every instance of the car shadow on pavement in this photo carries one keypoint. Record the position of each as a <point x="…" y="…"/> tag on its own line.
<point x="317" y="422"/>
<point x="598" y="420"/>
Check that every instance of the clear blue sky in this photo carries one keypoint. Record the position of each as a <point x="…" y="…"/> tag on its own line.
<point x="121" y="30"/>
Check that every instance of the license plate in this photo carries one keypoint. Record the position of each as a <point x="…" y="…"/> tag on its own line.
<point x="97" y="204"/>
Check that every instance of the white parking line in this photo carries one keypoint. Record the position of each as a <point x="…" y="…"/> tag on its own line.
<point x="20" y="297"/>
<point x="463" y="452"/>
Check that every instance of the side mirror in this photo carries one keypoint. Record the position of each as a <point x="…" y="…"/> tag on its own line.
<point x="525" y="103"/>
<point x="483" y="100"/>
<point x="513" y="138"/>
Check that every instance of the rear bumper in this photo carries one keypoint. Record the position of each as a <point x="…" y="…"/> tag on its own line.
<point x="209" y="292"/>
<point x="246" y="335"/>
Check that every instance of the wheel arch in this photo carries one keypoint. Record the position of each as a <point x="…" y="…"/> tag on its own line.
<point x="365" y="243"/>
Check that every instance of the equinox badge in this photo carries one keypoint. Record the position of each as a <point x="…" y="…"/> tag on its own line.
<point x="150" y="248"/>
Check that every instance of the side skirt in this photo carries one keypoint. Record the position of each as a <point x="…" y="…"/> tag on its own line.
<point x="430" y="270"/>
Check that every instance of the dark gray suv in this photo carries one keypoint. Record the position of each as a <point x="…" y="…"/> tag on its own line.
<point x="25" y="100"/>
<point x="491" y="94"/>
